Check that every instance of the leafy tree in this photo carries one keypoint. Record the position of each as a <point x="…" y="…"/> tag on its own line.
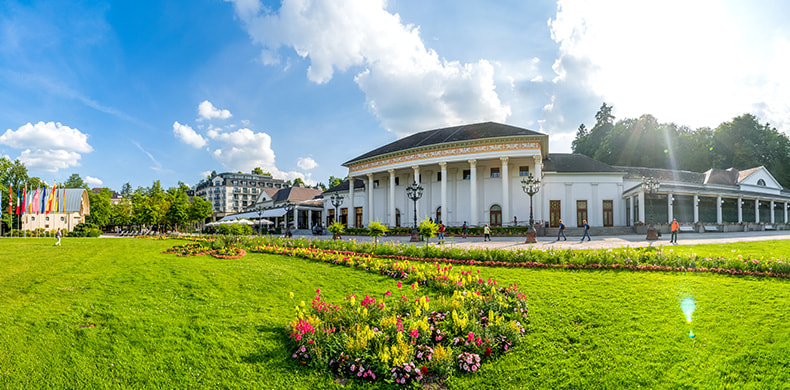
<point x="334" y="181"/>
<point x="259" y="171"/>
<point x="126" y="190"/>
<point x="121" y="213"/>
<point x="199" y="209"/>
<point x="299" y="182"/>
<point x="101" y="212"/>
<point x="376" y="229"/>
<point x="428" y="229"/>
<point x="75" y="181"/>
<point x="178" y="211"/>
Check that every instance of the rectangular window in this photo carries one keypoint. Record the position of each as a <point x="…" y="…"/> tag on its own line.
<point x="235" y="182"/>
<point x="397" y="181"/>
<point x="244" y="183"/>
<point x="270" y="185"/>
<point x="358" y="219"/>
<point x="278" y="186"/>
<point x="467" y="174"/>
<point x="375" y="184"/>
<point x="495" y="172"/>
<point x="523" y="171"/>
<point x="608" y="213"/>
<point x="581" y="212"/>
<point x="244" y="190"/>
<point x="244" y="203"/>
<point x="235" y="196"/>
<point x="555" y="211"/>
<point x="438" y="176"/>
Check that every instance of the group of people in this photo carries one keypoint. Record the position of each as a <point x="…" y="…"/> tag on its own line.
<point x="586" y="234"/>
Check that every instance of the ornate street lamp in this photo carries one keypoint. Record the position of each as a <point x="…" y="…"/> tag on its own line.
<point x="650" y="185"/>
<point x="336" y="200"/>
<point x="531" y="186"/>
<point x="260" y="212"/>
<point x="414" y="192"/>
<point x="288" y="206"/>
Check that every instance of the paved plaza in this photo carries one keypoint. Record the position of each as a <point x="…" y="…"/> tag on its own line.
<point x="602" y="242"/>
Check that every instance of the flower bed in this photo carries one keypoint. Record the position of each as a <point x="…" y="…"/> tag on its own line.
<point x="230" y="252"/>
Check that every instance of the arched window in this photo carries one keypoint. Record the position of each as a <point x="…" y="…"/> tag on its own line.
<point x="761" y="182"/>
<point x="439" y="214"/>
<point x="495" y="215"/>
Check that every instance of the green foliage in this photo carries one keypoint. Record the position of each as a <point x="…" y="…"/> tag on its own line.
<point x="234" y="229"/>
<point x="376" y="230"/>
<point x="75" y="181"/>
<point x="428" y="228"/>
<point x="336" y="228"/>
<point x="85" y="229"/>
<point x="334" y="181"/>
<point x="101" y="210"/>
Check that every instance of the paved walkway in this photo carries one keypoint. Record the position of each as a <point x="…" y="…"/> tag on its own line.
<point x="603" y="242"/>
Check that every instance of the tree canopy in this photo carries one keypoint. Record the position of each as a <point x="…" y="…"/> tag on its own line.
<point x="741" y="143"/>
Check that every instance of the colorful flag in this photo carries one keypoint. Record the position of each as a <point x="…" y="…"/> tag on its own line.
<point x="17" y="201"/>
<point x="24" y="199"/>
<point x="43" y="198"/>
<point x="64" y="201"/>
<point x="51" y="197"/>
<point x="10" y="199"/>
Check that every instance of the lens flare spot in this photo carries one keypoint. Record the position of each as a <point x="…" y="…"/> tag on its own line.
<point x="687" y="307"/>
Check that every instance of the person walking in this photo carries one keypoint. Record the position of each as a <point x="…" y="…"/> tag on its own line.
<point x="58" y="235"/>
<point x="586" y="231"/>
<point x="441" y="231"/>
<point x="561" y="232"/>
<point x="464" y="229"/>
<point x="673" y="238"/>
<point x="486" y="233"/>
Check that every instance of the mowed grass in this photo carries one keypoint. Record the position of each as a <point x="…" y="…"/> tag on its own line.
<point x="160" y="321"/>
<point x="779" y="249"/>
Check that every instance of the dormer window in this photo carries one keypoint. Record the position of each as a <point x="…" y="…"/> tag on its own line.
<point x="761" y="182"/>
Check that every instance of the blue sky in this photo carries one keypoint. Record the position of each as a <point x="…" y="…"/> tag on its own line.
<point x="137" y="91"/>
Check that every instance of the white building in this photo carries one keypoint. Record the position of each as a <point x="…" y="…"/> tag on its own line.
<point x="473" y="173"/>
<point x="70" y="209"/>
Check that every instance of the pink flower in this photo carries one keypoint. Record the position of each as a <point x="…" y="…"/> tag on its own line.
<point x="318" y="291"/>
<point x="400" y="284"/>
<point x="388" y="293"/>
<point x="415" y="333"/>
<point x="471" y="336"/>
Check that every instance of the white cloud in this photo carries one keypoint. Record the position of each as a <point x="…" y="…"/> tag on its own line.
<point x="187" y="135"/>
<point x="306" y="163"/>
<point x="407" y="86"/>
<point x="93" y="181"/>
<point x="698" y="67"/>
<point x="48" y="146"/>
<point x="206" y="110"/>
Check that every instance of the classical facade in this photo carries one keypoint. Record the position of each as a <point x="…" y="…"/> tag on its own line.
<point x="473" y="173"/>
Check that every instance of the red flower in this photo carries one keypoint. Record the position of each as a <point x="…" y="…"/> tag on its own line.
<point x="488" y="351"/>
<point x="424" y="370"/>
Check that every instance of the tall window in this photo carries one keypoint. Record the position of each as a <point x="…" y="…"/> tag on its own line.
<point x="467" y="174"/>
<point x="608" y="213"/>
<point x="397" y="218"/>
<point x="358" y="217"/>
<point x="555" y="213"/>
<point x="495" y="215"/>
<point x="438" y="176"/>
<point x="438" y="214"/>
<point x="495" y="172"/>
<point x="581" y="212"/>
<point x="397" y="181"/>
<point x="523" y="171"/>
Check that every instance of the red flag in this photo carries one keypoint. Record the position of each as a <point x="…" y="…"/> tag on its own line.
<point x="17" y="201"/>
<point x="10" y="199"/>
<point x="51" y="198"/>
<point x="24" y="198"/>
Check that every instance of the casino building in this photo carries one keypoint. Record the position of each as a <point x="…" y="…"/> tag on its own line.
<point x="473" y="173"/>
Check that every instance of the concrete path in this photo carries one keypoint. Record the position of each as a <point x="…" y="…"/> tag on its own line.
<point x="603" y="242"/>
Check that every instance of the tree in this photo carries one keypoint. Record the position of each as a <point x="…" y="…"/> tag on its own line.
<point x="121" y="213"/>
<point x="299" y="182"/>
<point x="75" y="181"/>
<point x="101" y="212"/>
<point x="126" y="190"/>
<point x="259" y="171"/>
<point x="199" y="209"/>
<point x="334" y="181"/>
<point x="178" y="212"/>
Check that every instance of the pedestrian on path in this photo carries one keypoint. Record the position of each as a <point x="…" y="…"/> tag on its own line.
<point x="561" y="233"/>
<point x="464" y="229"/>
<point x="58" y="235"/>
<point x="586" y="231"/>
<point x="441" y="231"/>
<point x="673" y="238"/>
<point x="486" y="233"/>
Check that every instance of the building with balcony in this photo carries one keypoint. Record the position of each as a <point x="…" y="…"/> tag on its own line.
<point x="231" y="193"/>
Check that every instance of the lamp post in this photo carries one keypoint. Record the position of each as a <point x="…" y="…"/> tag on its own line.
<point x="531" y="186"/>
<point x="336" y="200"/>
<point x="260" y="212"/>
<point x="414" y="192"/>
<point x="650" y="185"/>
<point x="288" y="206"/>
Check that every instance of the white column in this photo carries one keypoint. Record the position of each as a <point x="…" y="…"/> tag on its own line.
<point x="445" y="212"/>
<point x="696" y="208"/>
<point x="370" y="198"/>
<point x="740" y="210"/>
<point x="352" y="220"/>
<point x="670" y="212"/>
<point x="785" y="212"/>
<point x="505" y="192"/>
<point x="719" y="219"/>
<point x="538" y="205"/>
<point x="641" y="198"/>
<point x="632" y="217"/>
<point x="296" y="217"/>
<point x="538" y="167"/>
<point x="416" y="169"/>
<point x="473" y="192"/>
<point x="757" y="211"/>
<point x="595" y="208"/>
<point x="772" y="212"/>
<point x="392" y="197"/>
<point x="309" y="219"/>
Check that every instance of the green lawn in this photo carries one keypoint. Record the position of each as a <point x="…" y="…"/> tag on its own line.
<point x="753" y="249"/>
<point x="160" y="321"/>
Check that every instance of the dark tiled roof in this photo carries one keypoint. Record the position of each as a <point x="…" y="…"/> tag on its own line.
<point x="295" y="194"/>
<point x="727" y="177"/>
<point x="566" y="162"/>
<point x="343" y="186"/>
<point x="448" y="134"/>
